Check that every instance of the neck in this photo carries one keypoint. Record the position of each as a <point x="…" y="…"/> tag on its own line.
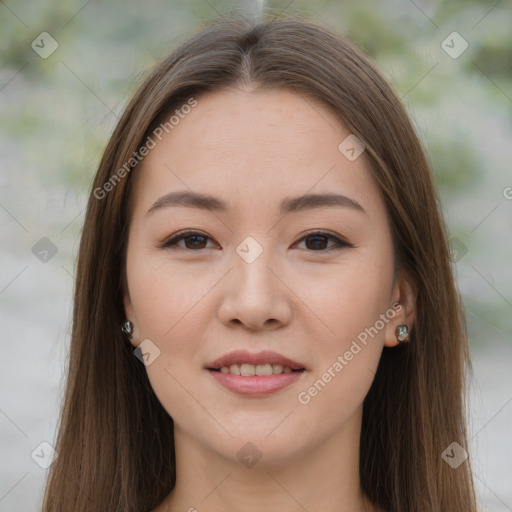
<point x="322" y="478"/>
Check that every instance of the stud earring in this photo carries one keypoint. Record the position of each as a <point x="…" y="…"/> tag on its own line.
<point x="402" y="333"/>
<point x="127" y="328"/>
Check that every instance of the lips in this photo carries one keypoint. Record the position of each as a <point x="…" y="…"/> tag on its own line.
<point x="245" y="357"/>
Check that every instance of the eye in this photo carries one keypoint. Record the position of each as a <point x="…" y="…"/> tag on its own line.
<point x="193" y="240"/>
<point x="319" y="239"/>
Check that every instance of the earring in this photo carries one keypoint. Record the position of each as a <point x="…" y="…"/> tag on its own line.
<point x="402" y="333"/>
<point x="127" y="328"/>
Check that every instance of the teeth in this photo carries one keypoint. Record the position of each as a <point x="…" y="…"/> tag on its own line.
<point x="248" y="370"/>
<point x="277" y="368"/>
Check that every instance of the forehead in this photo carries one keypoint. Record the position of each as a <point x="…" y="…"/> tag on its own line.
<point x="253" y="149"/>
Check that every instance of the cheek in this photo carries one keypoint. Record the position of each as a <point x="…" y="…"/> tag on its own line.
<point x="168" y="309"/>
<point x="164" y="296"/>
<point x="352" y="307"/>
<point x="350" y="299"/>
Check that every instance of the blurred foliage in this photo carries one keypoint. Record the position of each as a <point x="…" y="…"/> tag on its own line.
<point x="403" y="37"/>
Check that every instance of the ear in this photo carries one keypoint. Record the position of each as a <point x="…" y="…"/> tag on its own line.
<point x="404" y="298"/>
<point x="130" y="315"/>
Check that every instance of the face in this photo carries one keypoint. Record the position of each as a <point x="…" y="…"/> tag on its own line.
<point x="309" y="280"/>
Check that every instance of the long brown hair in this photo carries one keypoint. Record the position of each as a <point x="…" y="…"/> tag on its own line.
<point x="115" y="442"/>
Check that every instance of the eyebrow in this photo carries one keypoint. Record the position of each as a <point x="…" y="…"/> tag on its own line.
<point x="288" y="205"/>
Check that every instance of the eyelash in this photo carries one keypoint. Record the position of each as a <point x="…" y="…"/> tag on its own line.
<point x="172" y="241"/>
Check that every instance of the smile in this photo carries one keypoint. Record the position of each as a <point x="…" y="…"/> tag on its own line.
<point x="248" y="370"/>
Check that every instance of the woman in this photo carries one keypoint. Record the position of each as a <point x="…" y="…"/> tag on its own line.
<point x="265" y="311"/>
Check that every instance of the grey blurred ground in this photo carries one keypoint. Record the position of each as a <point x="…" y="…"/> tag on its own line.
<point x="56" y="115"/>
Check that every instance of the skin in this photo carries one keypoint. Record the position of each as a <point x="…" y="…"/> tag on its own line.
<point x="298" y="298"/>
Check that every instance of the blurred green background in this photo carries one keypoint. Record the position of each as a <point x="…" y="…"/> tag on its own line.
<point x="58" y="112"/>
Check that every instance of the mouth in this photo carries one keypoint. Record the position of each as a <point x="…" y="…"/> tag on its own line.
<point x="257" y="374"/>
<point x="243" y="362"/>
<point x="260" y="370"/>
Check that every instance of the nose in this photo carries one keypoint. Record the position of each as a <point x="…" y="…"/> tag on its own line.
<point x="255" y="295"/>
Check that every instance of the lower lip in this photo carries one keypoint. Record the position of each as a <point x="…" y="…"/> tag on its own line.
<point x="255" y="385"/>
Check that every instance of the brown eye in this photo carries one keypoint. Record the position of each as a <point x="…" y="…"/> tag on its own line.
<point x="193" y="240"/>
<point x="318" y="241"/>
<point x="196" y="241"/>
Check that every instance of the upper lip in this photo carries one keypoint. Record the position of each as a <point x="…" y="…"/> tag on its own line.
<point x="245" y="357"/>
